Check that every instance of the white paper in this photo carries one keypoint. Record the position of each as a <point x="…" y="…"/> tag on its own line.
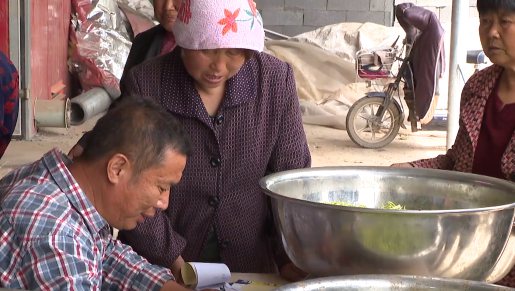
<point x="205" y="275"/>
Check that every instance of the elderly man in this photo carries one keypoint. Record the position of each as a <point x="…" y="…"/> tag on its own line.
<point x="55" y="214"/>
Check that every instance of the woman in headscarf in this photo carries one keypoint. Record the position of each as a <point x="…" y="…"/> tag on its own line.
<point x="241" y="109"/>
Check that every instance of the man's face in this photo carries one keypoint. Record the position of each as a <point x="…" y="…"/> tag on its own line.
<point x="138" y="196"/>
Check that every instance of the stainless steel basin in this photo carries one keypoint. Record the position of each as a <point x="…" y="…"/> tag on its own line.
<point x="389" y="282"/>
<point x="455" y="225"/>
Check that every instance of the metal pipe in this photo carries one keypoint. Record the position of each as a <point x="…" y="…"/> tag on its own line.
<point x="28" y="129"/>
<point x="89" y="104"/>
<point x="457" y="56"/>
<point x="19" y="45"/>
<point x="52" y="113"/>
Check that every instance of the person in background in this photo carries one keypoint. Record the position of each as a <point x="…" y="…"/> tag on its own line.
<point x="485" y="143"/>
<point x="9" y="92"/>
<point x="242" y="111"/>
<point x="55" y="214"/>
<point x="156" y="41"/>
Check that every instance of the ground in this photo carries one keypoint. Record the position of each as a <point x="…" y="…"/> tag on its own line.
<point x="329" y="146"/>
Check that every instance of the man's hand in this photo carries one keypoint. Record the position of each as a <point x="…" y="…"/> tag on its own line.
<point x="176" y="269"/>
<point x="178" y="284"/>
<point x="174" y="286"/>
<point x="292" y="273"/>
<point x="76" y="151"/>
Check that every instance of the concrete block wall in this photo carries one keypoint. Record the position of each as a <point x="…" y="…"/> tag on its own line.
<point x="292" y="17"/>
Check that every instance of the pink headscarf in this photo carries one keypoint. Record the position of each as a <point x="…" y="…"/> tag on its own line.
<point x="214" y="24"/>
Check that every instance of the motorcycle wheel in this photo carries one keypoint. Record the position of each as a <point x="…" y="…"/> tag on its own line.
<point x="363" y="127"/>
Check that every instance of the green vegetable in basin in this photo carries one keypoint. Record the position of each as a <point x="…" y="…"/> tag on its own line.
<point x="393" y="236"/>
<point x="391" y="205"/>
<point x="383" y="239"/>
<point x="341" y="203"/>
<point x="387" y="205"/>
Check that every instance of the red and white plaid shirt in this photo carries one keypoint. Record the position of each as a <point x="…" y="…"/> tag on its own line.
<point x="52" y="238"/>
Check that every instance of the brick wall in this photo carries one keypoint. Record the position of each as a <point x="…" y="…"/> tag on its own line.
<point x="291" y="17"/>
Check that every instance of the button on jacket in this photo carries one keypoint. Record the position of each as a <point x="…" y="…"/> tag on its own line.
<point x="257" y="130"/>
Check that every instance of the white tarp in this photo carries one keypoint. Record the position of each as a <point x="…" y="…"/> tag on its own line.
<point x="323" y="62"/>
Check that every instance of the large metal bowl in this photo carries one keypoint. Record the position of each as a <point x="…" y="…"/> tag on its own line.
<point x="389" y="282"/>
<point x="456" y="225"/>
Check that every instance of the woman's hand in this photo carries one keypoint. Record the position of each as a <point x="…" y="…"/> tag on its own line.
<point x="401" y="165"/>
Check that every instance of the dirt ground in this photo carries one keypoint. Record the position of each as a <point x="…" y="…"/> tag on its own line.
<point x="329" y="146"/>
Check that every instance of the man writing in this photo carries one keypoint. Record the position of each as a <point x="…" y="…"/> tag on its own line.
<point x="55" y="214"/>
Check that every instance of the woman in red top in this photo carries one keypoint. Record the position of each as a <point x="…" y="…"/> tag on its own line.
<point x="485" y="143"/>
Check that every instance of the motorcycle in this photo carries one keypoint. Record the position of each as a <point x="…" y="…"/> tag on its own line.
<point x="374" y="120"/>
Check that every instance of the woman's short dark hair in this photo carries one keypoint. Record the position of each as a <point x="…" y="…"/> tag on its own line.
<point x="486" y="6"/>
<point x="139" y="129"/>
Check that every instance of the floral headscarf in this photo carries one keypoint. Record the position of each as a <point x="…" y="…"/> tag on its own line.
<point x="214" y="24"/>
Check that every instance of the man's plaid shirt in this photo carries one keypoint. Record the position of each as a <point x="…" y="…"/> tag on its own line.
<point x="52" y="238"/>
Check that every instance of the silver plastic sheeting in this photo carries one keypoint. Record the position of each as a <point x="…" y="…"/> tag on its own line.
<point x="100" y="44"/>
